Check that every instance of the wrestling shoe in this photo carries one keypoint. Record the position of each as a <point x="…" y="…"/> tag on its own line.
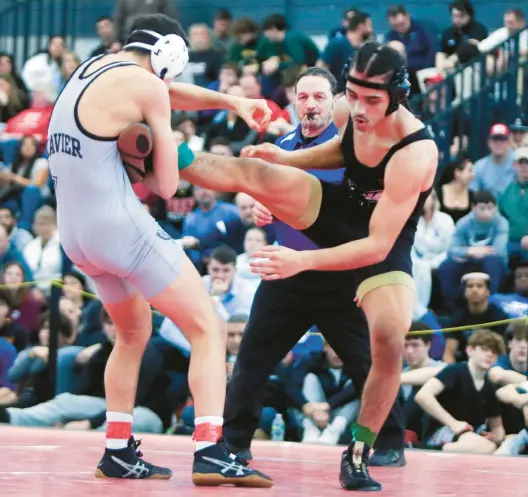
<point x="390" y="458"/>
<point x="127" y="463"/>
<point x="354" y="473"/>
<point x="214" y="466"/>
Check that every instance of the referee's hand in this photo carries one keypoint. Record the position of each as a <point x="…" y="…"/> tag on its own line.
<point x="261" y="215"/>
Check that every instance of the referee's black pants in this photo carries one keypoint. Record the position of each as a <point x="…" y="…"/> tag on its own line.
<point x="283" y="311"/>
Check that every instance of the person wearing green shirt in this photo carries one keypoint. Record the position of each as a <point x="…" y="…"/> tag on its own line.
<point x="513" y="204"/>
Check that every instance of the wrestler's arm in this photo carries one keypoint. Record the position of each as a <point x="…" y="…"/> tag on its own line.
<point x="405" y="177"/>
<point x="154" y="103"/>
<point x="185" y="96"/>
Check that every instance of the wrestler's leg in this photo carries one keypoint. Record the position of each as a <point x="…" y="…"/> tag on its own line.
<point x="292" y="195"/>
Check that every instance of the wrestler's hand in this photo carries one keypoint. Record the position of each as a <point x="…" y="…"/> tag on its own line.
<point x="261" y="215"/>
<point x="278" y="263"/>
<point x="254" y="111"/>
<point x="460" y="427"/>
<point x="264" y="151"/>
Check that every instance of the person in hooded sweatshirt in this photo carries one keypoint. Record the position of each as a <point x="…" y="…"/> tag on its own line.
<point x="480" y="243"/>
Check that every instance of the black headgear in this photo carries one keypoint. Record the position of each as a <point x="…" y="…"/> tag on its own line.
<point x="398" y="87"/>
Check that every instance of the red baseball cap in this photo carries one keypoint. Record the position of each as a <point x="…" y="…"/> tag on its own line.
<point x="499" y="131"/>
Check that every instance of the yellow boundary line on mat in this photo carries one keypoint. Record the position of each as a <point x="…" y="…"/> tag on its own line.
<point x="492" y="324"/>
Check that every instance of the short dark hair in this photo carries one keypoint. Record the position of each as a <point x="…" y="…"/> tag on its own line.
<point x="224" y="255"/>
<point x="320" y="72"/>
<point x="244" y="25"/>
<point x="463" y="6"/>
<point x="426" y="336"/>
<point x="484" y="197"/>
<point x="277" y="21"/>
<point x="357" y="20"/>
<point x="518" y="330"/>
<point x="224" y="15"/>
<point x="159" y="23"/>
<point x="350" y="10"/>
<point x="395" y="10"/>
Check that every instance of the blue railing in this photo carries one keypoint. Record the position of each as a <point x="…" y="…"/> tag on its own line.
<point x="461" y="109"/>
<point x="25" y="25"/>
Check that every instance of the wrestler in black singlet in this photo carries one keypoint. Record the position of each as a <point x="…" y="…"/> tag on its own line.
<point x="346" y="209"/>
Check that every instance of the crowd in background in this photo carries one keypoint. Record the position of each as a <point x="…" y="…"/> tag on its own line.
<point x="470" y="255"/>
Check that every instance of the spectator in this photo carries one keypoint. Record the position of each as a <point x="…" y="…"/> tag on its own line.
<point x="254" y="240"/>
<point x="519" y="132"/>
<point x="43" y="254"/>
<point x="127" y="11"/>
<point x="247" y="42"/>
<point x="283" y="48"/>
<point x="12" y="332"/>
<point x="44" y="68"/>
<point x="513" y="206"/>
<point x="8" y="355"/>
<point x="339" y="50"/>
<point x="19" y="237"/>
<point x="35" y="120"/>
<point x="514" y="299"/>
<point x="432" y="240"/>
<point x="8" y="68"/>
<point x="461" y="400"/>
<point x="9" y="253"/>
<point x="26" y="310"/>
<point x="477" y="309"/>
<point x="420" y="48"/>
<point x="325" y="395"/>
<point x="232" y="294"/>
<point x="204" y="60"/>
<point x="236" y="325"/>
<point x="511" y="371"/>
<point x="495" y="171"/>
<point x="464" y="27"/>
<point x="204" y="228"/>
<point x="188" y="125"/>
<point x="418" y="370"/>
<point x="480" y="241"/>
<point x="221" y="36"/>
<point x="514" y="22"/>
<point x="74" y="287"/>
<point x="70" y="62"/>
<point x="253" y="89"/>
<point x="11" y="102"/>
<point x="228" y="124"/>
<point x="107" y="35"/>
<point x="342" y="30"/>
<point x="28" y="169"/>
<point x="221" y="146"/>
<point x="454" y="195"/>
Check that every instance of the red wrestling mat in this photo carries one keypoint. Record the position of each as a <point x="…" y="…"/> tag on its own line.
<point x="55" y="463"/>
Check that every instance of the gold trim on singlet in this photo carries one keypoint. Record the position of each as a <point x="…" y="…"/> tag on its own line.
<point x="384" y="279"/>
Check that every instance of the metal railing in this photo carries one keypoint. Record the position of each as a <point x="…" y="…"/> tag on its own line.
<point x="491" y="88"/>
<point x="26" y="25"/>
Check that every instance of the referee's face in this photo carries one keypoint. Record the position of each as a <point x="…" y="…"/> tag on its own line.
<point x="314" y="104"/>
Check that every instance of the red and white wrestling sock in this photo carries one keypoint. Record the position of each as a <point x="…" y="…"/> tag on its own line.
<point x="118" y="429"/>
<point x="207" y="431"/>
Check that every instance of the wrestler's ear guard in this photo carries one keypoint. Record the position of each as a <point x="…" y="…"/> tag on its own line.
<point x="168" y="55"/>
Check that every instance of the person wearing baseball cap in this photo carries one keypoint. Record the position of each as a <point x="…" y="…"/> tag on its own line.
<point x="513" y="204"/>
<point x="519" y="131"/>
<point x="495" y="171"/>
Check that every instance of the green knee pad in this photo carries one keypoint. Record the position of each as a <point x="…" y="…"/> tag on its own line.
<point x="185" y="156"/>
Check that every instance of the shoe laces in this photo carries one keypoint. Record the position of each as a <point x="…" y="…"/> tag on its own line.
<point x="136" y="444"/>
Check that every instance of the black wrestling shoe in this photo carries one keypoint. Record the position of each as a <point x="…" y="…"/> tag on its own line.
<point x="127" y="463"/>
<point x="354" y="473"/>
<point x="215" y="466"/>
<point x="242" y="455"/>
<point x="390" y="458"/>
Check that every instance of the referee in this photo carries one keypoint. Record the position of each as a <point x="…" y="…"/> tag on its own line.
<point x="283" y="310"/>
